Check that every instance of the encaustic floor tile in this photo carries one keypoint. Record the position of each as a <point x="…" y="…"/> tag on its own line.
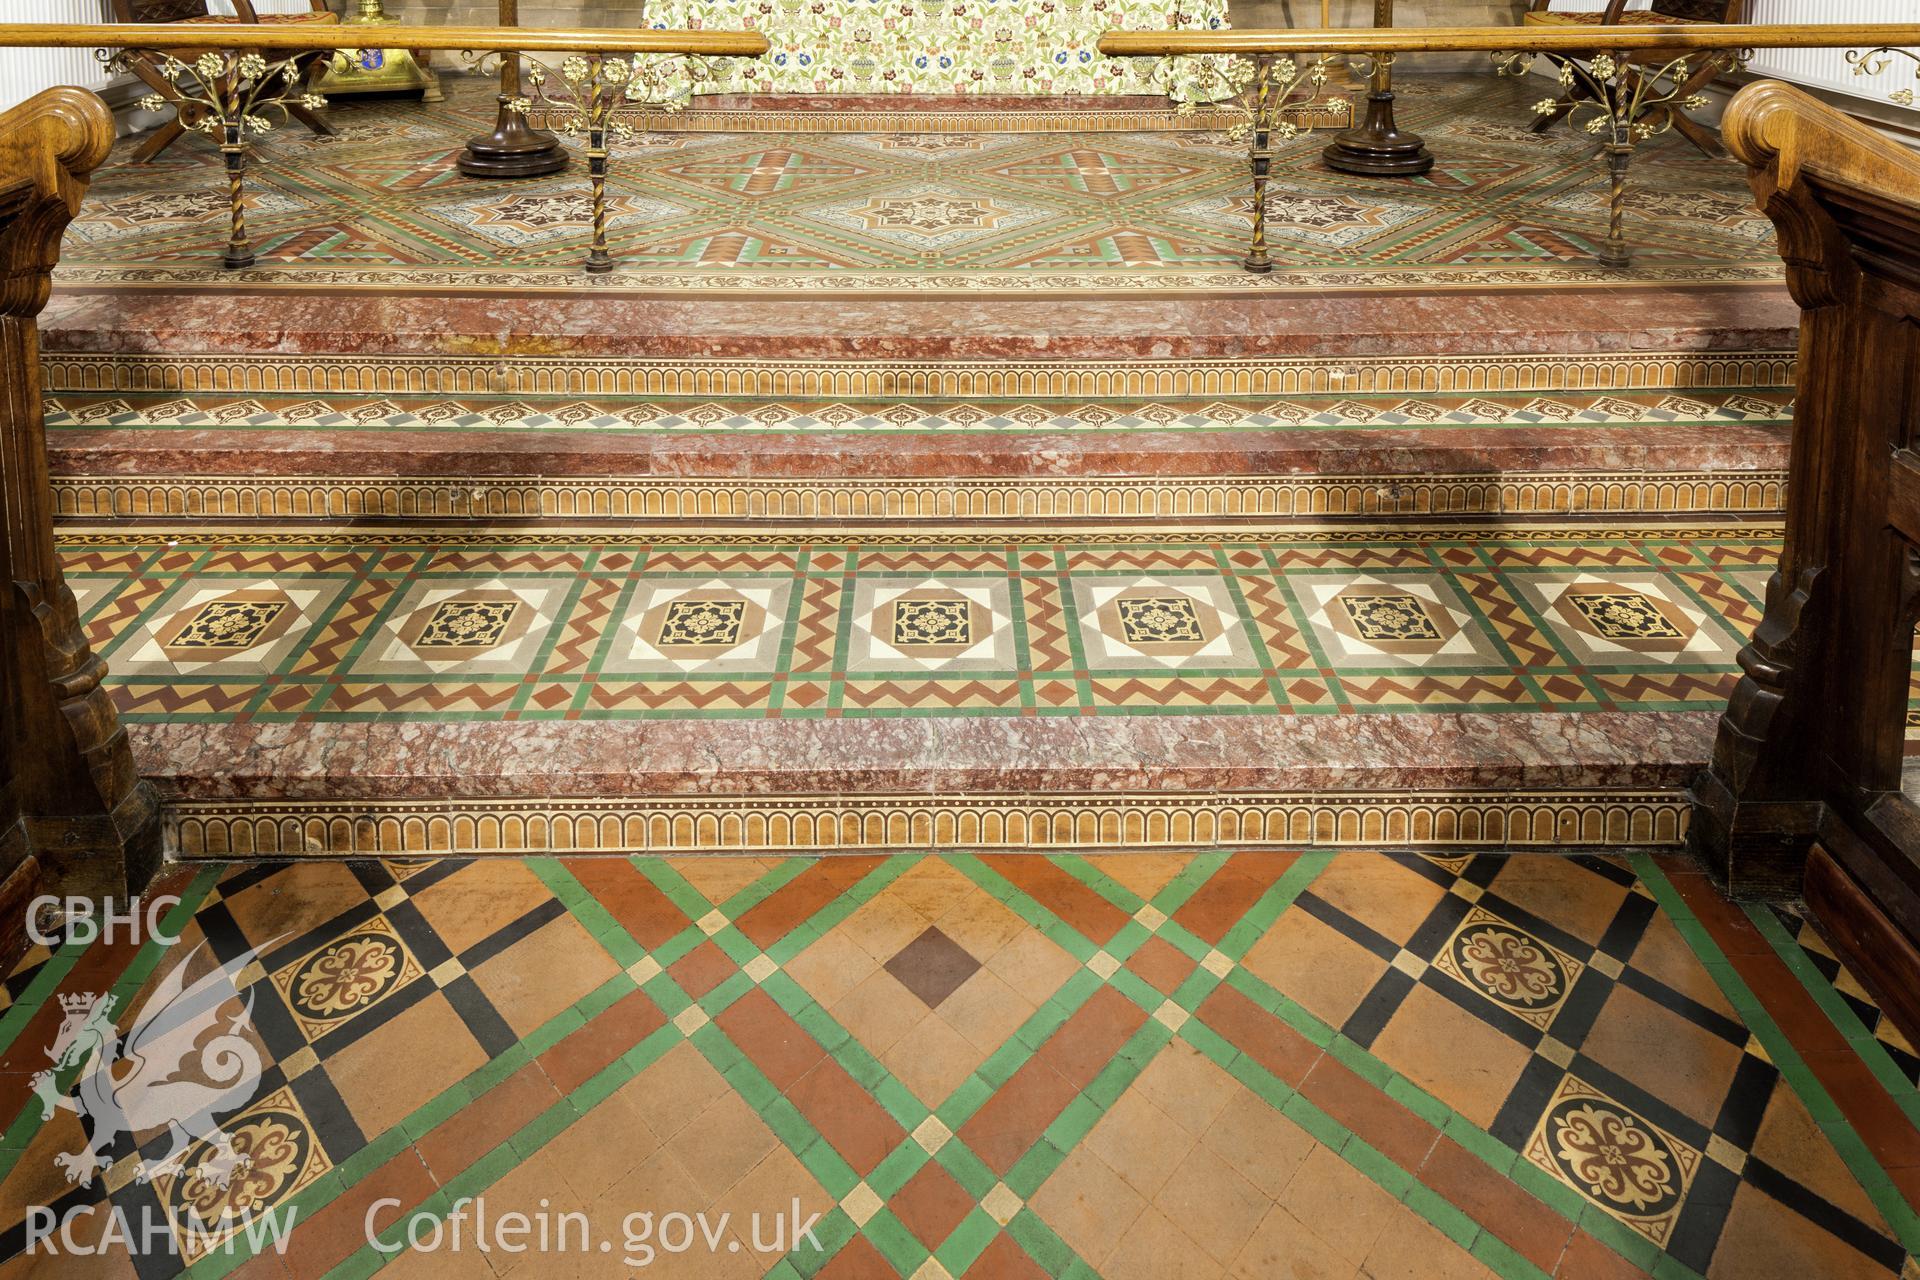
<point x="1355" y="1064"/>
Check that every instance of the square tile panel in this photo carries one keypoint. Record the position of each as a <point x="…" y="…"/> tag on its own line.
<point x="1398" y="620"/>
<point x="1149" y="622"/>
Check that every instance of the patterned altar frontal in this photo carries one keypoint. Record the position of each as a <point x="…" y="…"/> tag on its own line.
<point x="938" y="46"/>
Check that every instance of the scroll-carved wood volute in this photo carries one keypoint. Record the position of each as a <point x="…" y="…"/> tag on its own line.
<point x="1804" y="792"/>
<point x="73" y="812"/>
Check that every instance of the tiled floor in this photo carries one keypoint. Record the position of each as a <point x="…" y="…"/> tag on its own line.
<point x="382" y="203"/>
<point x="1251" y="1064"/>
<point x="341" y="625"/>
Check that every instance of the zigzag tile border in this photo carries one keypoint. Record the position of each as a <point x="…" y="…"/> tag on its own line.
<point x="292" y="374"/>
<point x="841" y="823"/>
<point x="677" y="498"/>
<point x="699" y="119"/>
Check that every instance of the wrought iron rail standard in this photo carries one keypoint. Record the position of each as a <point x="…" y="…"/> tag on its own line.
<point x="233" y="82"/>
<point x="1625" y="80"/>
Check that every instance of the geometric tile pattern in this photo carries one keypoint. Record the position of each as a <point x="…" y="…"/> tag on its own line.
<point x="467" y="626"/>
<point x="384" y="202"/>
<point x="1004" y="1066"/>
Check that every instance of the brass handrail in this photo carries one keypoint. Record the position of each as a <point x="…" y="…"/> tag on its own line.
<point x="300" y="37"/>
<point x="1249" y="41"/>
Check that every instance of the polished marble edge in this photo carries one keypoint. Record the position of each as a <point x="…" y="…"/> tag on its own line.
<point x="488" y="497"/>
<point x="376" y="760"/>
<point x="783" y="376"/>
<point x="1583" y="820"/>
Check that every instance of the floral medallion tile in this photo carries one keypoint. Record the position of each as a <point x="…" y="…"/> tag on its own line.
<point x="1507" y="965"/>
<point x="1372" y="620"/>
<point x="214" y="626"/>
<point x="1627" y="619"/>
<point x="933" y="624"/>
<point x="440" y="628"/>
<point x="1636" y="1171"/>
<point x="711" y="625"/>
<point x="1155" y="621"/>
<point x="272" y="1154"/>
<point x="347" y="976"/>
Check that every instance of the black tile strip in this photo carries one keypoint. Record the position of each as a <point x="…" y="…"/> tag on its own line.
<point x="1439" y="925"/>
<point x="1745" y="1105"/>
<point x="426" y="944"/>
<point x="1629" y="925"/>
<point x="1605" y="868"/>
<point x="479" y="1015"/>
<point x="334" y="1127"/>
<point x="1636" y="1099"/>
<point x="1672" y="1001"/>
<point x="1574" y="1022"/>
<point x="1505" y="1021"/>
<point x="1825" y="1214"/>
<point x="156" y="1254"/>
<point x="1526" y="1103"/>
<point x="13" y="1240"/>
<point x="508" y="934"/>
<point x="1367" y="1021"/>
<point x="1696" y="1234"/>
<point x="363" y="1025"/>
<point x="287" y="950"/>
<point x="1545" y="930"/>
<point x="1346" y="926"/>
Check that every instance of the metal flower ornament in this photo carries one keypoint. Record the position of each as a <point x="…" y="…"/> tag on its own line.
<point x="232" y="97"/>
<point x="1871" y="62"/>
<point x="587" y="96"/>
<point x="1625" y="102"/>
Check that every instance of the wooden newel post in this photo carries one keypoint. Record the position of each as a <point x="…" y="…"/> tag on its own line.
<point x="1804" y="793"/>
<point x="72" y="809"/>
<point x="514" y="149"/>
<point x="1378" y="149"/>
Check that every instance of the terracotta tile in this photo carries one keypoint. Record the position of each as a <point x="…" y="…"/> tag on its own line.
<point x="1002" y="1259"/>
<point x="1258" y="1143"/>
<point x="294" y="900"/>
<point x="1261" y="1036"/>
<point x="1212" y="1203"/>
<point x="1765" y="1240"/>
<point x="1161" y="964"/>
<point x="632" y="899"/>
<point x="792" y="904"/>
<point x="831" y="966"/>
<point x="611" y="1032"/>
<point x="764" y="1032"/>
<point x="1283" y="1247"/>
<point x="1667" y="1055"/>
<point x="434" y="1044"/>
<point x="846" y="1116"/>
<point x="486" y="1122"/>
<point x="1088" y="1205"/>
<point x="1514" y="1217"/>
<point x="720" y="1145"/>
<point x="1088" y="1040"/>
<point x="932" y="966"/>
<point x="1478" y="1069"/>
<point x="1588" y="1259"/>
<point x="1384" y="1124"/>
<point x="543" y="973"/>
<point x="1861" y="1097"/>
<point x="932" y="1204"/>
<point x="1155" y="1249"/>
<point x="1185" y="1083"/>
<point x="1664" y="955"/>
<point x="674" y="1089"/>
<point x="1033" y="965"/>
<point x="1413" y="1249"/>
<point x="1002" y="1130"/>
<point x="933" y="1060"/>
<point x="1388" y="896"/>
<point x="1732" y="932"/>
<point x="1346" y="1208"/>
<point x="479" y="900"/>
<point x="1067" y="897"/>
<point x="327" y="1236"/>
<point x="858" y="1260"/>
<point x="702" y="969"/>
<point x="1224" y="900"/>
<point x="1319" y="967"/>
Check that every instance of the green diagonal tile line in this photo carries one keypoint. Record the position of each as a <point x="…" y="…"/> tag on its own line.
<point x="1838" y="1011"/>
<point x="1833" y="1123"/>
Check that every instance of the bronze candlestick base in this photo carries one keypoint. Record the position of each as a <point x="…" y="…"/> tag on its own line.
<point x="1378" y="149"/>
<point x="513" y="150"/>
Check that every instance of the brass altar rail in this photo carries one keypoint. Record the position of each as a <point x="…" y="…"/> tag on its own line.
<point x="1251" y="41"/>
<point x="301" y="38"/>
<point x="1631" y="81"/>
<point x="233" y="90"/>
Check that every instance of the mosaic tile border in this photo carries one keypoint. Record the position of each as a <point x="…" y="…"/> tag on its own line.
<point x="841" y="823"/>
<point x="1757" y="493"/>
<point x="712" y="119"/>
<point x="1279" y="375"/>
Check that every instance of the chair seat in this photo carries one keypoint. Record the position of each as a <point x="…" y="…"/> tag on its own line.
<point x="1637" y="18"/>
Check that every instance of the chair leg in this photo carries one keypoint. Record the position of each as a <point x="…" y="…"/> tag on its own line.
<point x="313" y="121"/>
<point x="163" y="137"/>
<point x="1698" y="134"/>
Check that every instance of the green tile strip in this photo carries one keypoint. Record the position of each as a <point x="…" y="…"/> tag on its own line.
<point x="1826" y="1114"/>
<point x="1863" y="1042"/>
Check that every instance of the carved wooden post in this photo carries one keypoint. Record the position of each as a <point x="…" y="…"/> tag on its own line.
<point x="72" y="809"/>
<point x="1809" y="756"/>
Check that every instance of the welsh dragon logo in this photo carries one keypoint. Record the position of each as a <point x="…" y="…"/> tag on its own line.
<point x="181" y="1066"/>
